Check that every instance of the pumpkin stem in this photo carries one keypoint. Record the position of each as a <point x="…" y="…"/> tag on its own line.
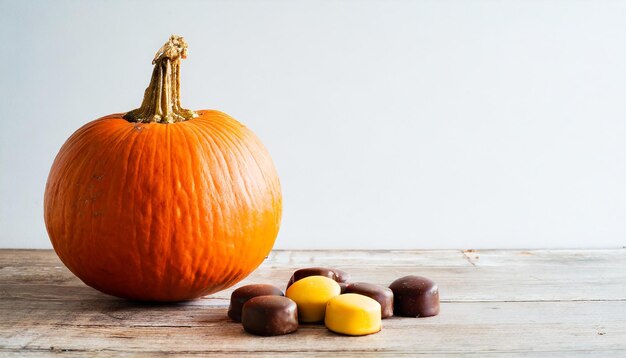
<point x="161" y="100"/>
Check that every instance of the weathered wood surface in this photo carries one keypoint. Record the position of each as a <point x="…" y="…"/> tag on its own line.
<point x="494" y="303"/>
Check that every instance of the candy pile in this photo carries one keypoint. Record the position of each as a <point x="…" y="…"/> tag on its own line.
<point x="318" y="294"/>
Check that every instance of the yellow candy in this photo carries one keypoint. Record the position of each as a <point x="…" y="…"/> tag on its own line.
<point x="311" y="295"/>
<point x="353" y="314"/>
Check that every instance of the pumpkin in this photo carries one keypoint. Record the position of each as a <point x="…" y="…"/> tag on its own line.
<point x="163" y="203"/>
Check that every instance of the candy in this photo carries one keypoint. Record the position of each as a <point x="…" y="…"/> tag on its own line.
<point x="353" y="314"/>
<point x="343" y="286"/>
<point x="382" y="295"/>
<point x="270" y="316"/>
<point x="335" y="274"/>
<point x="311" y="294"/>
<point x="241" y="295"/>
<point x="415" y="296"/>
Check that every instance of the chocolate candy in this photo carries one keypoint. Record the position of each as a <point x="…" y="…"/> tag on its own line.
<point x="342" y="276"/>
<point x="415" y="296"/>
<point x="381" y="294"/>
<point x="270" y="316"/>
<point x="334" y="274"/>
<point x="343" y="286"/>
<point x="311" y="294"/>
<point x="353" y="314"/>
<point x="241" y="295"/>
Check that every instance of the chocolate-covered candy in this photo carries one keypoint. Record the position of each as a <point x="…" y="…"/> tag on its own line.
<point x="353" y="314"/>
<point x="270" y="316"/>
<point x="241" y="295"/>
<point x="415" y="296"/>
<point x="383" y="295"/>
<point x="311" y="294"/>
<point x="343" y="286"/>
<point x="342" y="276"/>
<point x="339" y="276"/>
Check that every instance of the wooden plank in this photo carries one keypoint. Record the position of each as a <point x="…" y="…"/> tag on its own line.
<point x="456" y="285"/>
<point x="605" y="258"/>
<point x="374" y="258"/>
<point x="110" y="311"/>
<point x="495" y="303"/>
<point x="450" y="258"/>
<point x="496" y="275"/>
<point x="419" y="258"/>
<point x="460" y="328"/>
<point x="117" y="353"/>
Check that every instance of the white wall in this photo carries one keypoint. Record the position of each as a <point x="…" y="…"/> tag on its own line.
<point x="393" y="124"/>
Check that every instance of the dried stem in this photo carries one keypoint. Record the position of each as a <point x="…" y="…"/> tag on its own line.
<point x="161" y="100"/>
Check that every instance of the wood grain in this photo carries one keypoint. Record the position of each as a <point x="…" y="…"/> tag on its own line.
<point x="494" y="303"/>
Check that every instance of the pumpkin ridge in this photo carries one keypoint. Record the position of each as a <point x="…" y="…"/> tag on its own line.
<point x="207" y="177"/>
<point x="209" y="137"/>
<point x="210" y="151"/>
<point x="245" y="134"/>
<point x="242" y="134"/>
<point x="211" y="154"/>
<point x="134" y="177"/>
<point x="227" y="141"/>
<point x="218" y="136"/>
<point x="62" y="180"/>
<point x="181" y="135"/>
<point x="131" y="172"/>
<point x="142" y="135"/>
<point x="124" y="147"/>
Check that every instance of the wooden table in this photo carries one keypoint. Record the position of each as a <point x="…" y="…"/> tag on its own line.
<point x="494" y="303"/>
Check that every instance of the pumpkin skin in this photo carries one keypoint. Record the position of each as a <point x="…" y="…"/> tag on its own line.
<point x="163" y="212"/>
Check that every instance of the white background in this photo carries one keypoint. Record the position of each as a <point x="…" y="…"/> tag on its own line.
<point x="393" y="124"/>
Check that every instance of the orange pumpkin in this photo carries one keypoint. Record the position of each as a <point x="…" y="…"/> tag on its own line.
<point x="163" y="203"/>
